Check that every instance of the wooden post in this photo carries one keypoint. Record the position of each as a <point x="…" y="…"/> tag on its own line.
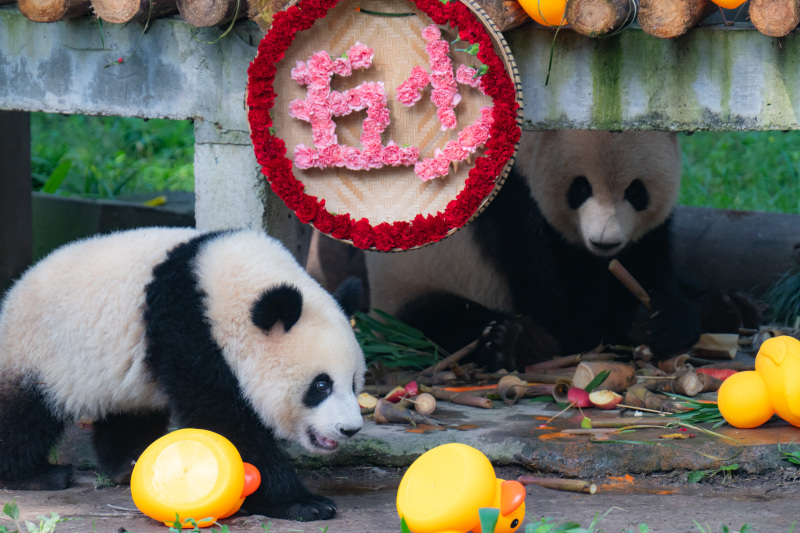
<point x="53" y="10"/>
<point x="16" y="226"/>
<point x="599" y="17"/>
<point x="775" y="18"/>
<point x="672" y="18"/>
<point x="201" y="13"/>
<point x="122" y="11"/>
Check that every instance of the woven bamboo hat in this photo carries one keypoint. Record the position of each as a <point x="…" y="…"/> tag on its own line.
<point x="373" y="205"/>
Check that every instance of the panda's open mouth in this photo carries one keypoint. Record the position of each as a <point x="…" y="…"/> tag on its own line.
<point x="321" y="442"/>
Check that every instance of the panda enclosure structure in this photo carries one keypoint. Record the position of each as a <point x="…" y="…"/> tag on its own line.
<point x="681" y="67"/>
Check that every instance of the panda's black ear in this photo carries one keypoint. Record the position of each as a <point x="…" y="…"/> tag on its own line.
<point x="283" y="303"/>
<point x="349" y="295"/>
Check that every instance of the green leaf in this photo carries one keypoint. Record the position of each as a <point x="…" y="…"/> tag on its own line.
<point x="586" y="423"/>
<point x="404" y="526"/>
<point x="56" y="177"/>
<point x="597" y="381"/>
<point x="10" y="509"/>
<point x="697" y="475"/>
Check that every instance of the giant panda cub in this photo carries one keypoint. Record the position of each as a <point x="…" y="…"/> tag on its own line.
<point x="223" y="331"/>
<point x="530" y="275"/>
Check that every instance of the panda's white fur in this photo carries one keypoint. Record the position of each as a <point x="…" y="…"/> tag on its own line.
<point x="611" y="162"/>
<point x="76" y="342"/>
<point x="530" y="252"/>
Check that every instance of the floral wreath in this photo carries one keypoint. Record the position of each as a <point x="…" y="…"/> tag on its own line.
<point x="270" y="150"/>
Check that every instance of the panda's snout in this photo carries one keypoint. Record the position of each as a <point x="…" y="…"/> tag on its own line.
<point x="349" y="432"/>
<point x="606" y="246"/>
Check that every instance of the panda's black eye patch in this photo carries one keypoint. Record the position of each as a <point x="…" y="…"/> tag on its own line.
<point x="636" y="195"/>
<point x="320" y="388"/>
<point x="579" y="191"/>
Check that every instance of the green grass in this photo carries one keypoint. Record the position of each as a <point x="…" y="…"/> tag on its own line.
<point x="111" y="155"/>
<point x="758" y="171"/>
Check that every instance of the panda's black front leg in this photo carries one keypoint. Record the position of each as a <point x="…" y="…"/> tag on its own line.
<point x="670" y="327"/>
<point x="281" y="493"/>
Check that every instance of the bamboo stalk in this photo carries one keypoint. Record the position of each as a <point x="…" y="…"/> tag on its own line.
<point x="460" y="398"/>
<point x="570" y="360"/>
<point x="569" y="485"/>
<point x="452" y="358"/>
<point x="53" y="10"/>
<point x="775" y="18"/>
<point x="621" y="376"/>
<point x="667" y="19"/>
<point x="599" y="17"/>
<point x="629" y="282"/>
<point x="632" y="421"/>
<point x="122" y="11"/>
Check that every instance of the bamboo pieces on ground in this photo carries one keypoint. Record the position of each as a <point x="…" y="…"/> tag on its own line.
<point x="53" y="10"/>
<point x="570" y="485"/>
<point x="122" y="11"/>
<point x="599" y="17"/>
<point x="672" y="18"/>
<point x="775" y="18"/>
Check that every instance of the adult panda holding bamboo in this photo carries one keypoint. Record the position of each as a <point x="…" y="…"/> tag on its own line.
<point x="530" y="275"/>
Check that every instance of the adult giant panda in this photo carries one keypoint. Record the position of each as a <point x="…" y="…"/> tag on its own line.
<point x="223" y="330"/>
<point x="534" y="265"/>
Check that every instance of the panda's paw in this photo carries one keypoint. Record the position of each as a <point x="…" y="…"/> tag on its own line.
<point x="671" y="327"/>
<point x="515" y="342"/>
<point x="497" y="345"/>
<point x="306" y="508"/>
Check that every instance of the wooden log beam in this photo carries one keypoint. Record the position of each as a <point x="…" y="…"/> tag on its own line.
<point x="667" y="19"/>
<point x="599" y="17"/>
<point x="202" y="13"/>
<point x="122" y="11"/>
<point x="775" y="18"/>
<point x="53" y="10"/>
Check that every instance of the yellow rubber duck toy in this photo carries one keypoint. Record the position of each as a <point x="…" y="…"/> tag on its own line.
<point x="195" y="473"/>
<point x="748" y="399"/>
<point x="444" y="490"/>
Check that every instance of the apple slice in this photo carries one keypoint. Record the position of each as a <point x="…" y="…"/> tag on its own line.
<point x="605" y="399"/>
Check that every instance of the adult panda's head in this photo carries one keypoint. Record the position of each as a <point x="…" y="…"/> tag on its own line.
<point x="288" y="342"/>
<point x="600" y="189"/>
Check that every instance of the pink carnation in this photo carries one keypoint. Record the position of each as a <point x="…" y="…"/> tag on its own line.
<point x="418" y="77"/>
<point x="360" y="55"/>
<point x="300" y="109"/>
<point x="409" y="155"/>
<point x="424" y="170"/>
<point x="466" y="75"/>
<point x="342" y="67"/>
<point x="352" y="158"/>
<point x="300" y="73"/>
<point x="454" y="151"/>
<point x="338" y="104"/>
<point x="431" y="33"/>
<point x="447" y="117"/>
<point x="305" y="157"/>
<point x="320" y="63"/>
<point x="407" y="94"/>
<point x="331" y="156"/>
<point x="391" y="155"/>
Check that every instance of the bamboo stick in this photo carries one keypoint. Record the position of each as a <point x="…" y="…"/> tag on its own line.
<point x="672" y="18"/>
<point x="452" y="358"/>
<point x="569" y="485"/>
<point x="53" y="10"/>
<point x="630" y="283"/>
<point x="570" y="360"/>
<point x="460" y="398"/>
<point x="775" y="18"/>
<point x="122" y="11"/>
<point x="599" y="17"/>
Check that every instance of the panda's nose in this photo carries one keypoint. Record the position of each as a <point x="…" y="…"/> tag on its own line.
<point x="606" y="246"/>
<point x="349" y="432"/>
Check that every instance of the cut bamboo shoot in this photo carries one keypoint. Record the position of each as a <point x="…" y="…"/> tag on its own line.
<point x="53" y="10"/>
<point x="599" y="17"/>
<point x="203" y="13"/>
<point x="570" y="485"/>
<point x="775" y="18"/>
<point x="122" y="11"/>
<point x="621" y="375"/>
<point x="672" y="18"/>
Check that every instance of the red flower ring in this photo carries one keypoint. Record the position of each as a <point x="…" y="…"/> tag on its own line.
<point x="270" y="149"/>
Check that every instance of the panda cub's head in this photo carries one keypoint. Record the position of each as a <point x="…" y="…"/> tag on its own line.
<point x="600" y="189"/>
<point x="288" y="342"/>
